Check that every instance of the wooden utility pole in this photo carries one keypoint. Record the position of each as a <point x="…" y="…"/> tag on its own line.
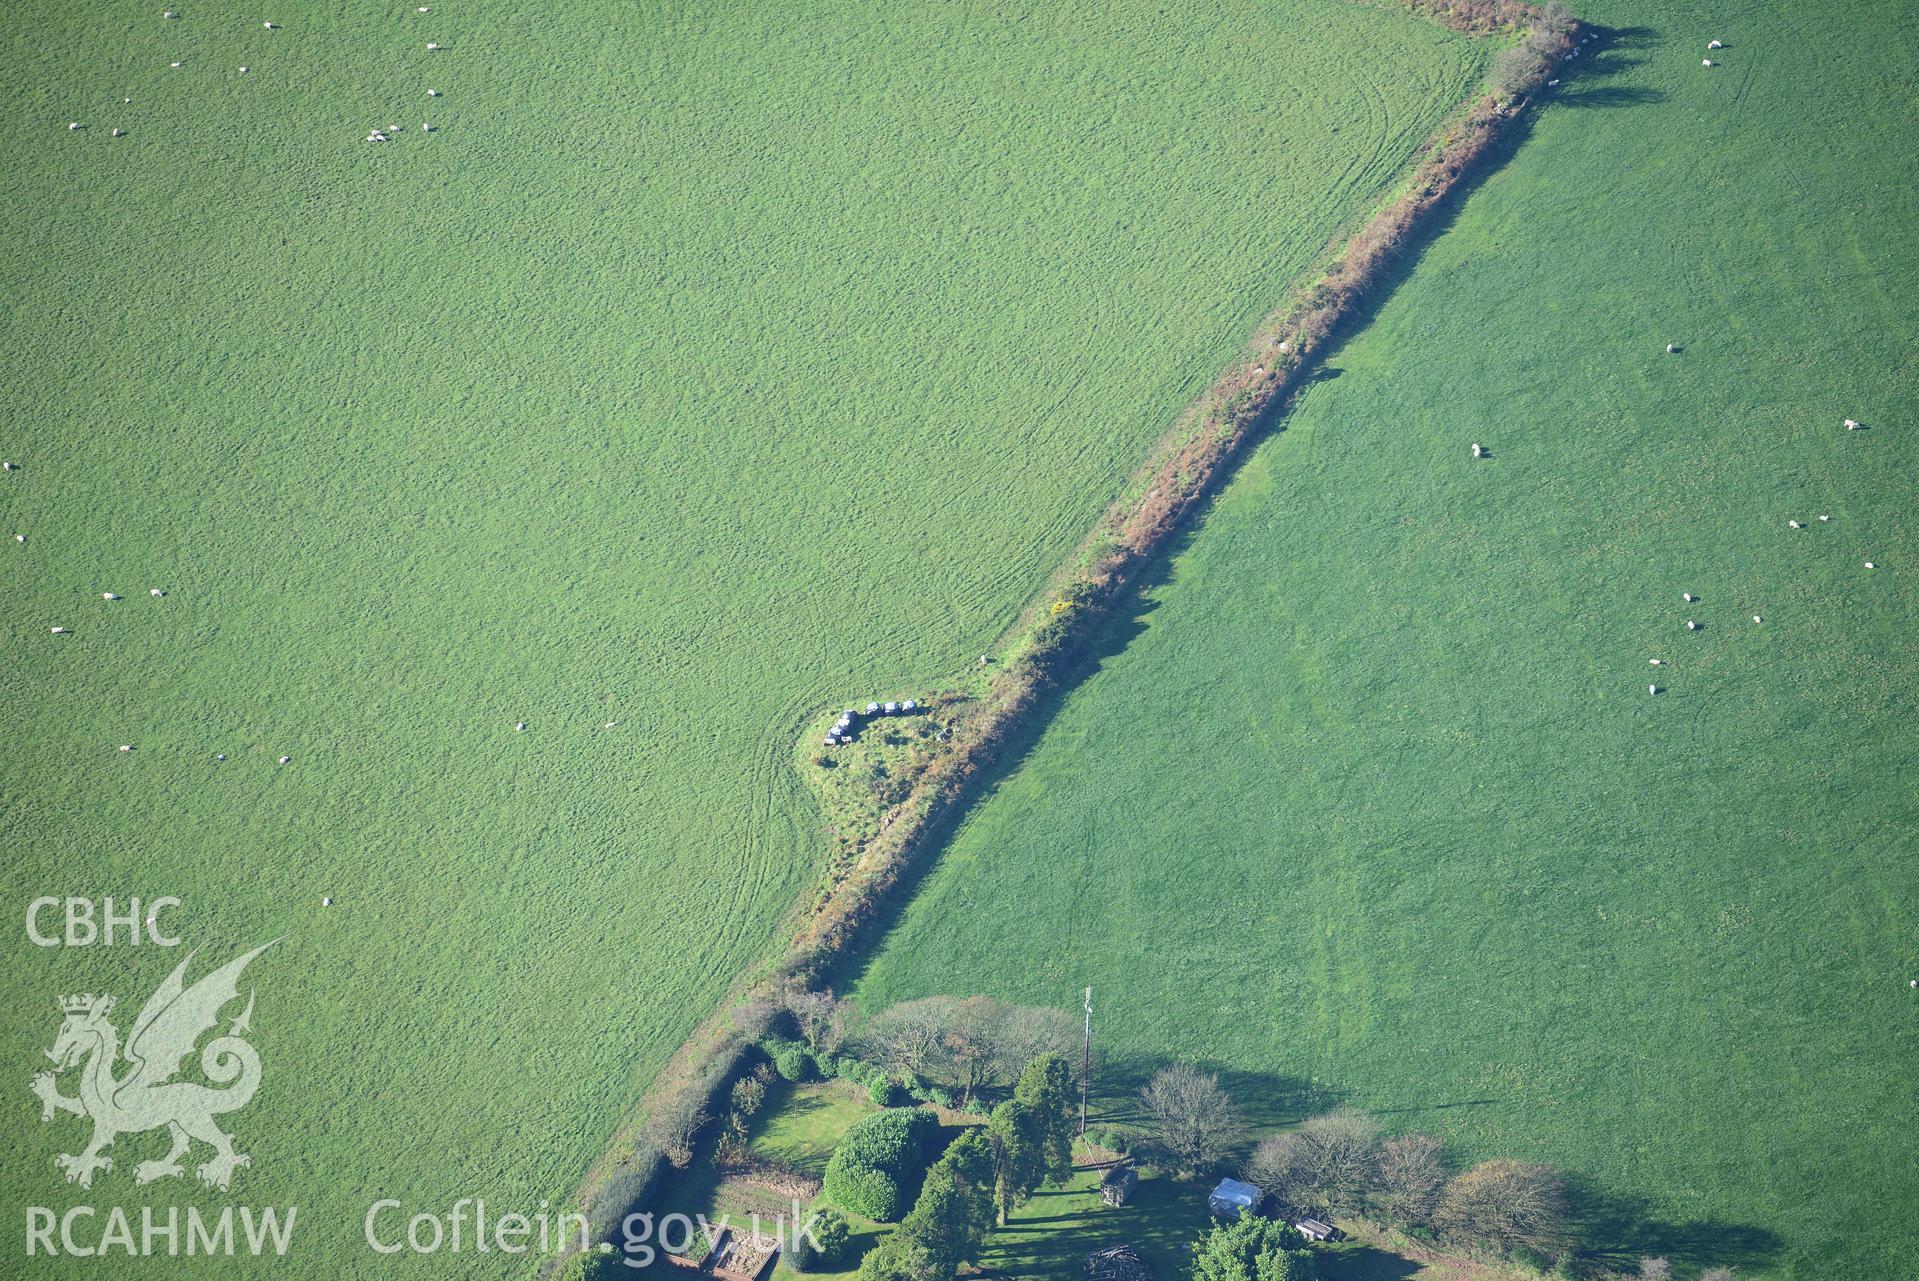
<point x="1086" y="1063"/>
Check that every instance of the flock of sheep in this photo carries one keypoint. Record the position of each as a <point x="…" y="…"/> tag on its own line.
<point x="1693" y="625"/>
<point x="374" y="135"/>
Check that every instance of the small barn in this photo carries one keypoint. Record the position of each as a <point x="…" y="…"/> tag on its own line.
<point x="1117" y="1263"/>
<point x="1233" y="1198"/>
<point x="1317" y="1230"/>
<point x="1117" y="1184"/>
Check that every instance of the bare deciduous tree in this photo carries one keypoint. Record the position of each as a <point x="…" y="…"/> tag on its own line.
<point x="674" y="1125"/>
<point x="822" y="1018"/>
<point x="1411" y="1174"/>
<point x="1504" y="1204"/>
<point x="1655" y="1269"/>
<point x="904" y="1037"/>
<point x="1030" y="1031"/>
<point x="1329" y="1162"/>
<point x="1193" y="1120"/>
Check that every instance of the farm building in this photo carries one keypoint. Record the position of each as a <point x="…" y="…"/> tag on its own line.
<point x="1117" y="1184"/>
<point x="1233" y="1198"/>
<point x="1317" y="1230"/>
<point x="1117" y="1263"/>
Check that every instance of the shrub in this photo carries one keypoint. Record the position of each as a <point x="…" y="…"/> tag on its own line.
<point x="885" y="1093"/>
<point x="822" y="1246"/>
<point x="826" y="1065"/>
<point x="878" y="1162"/>
<point x="793" y="1063"/>
<point x="1252" y="1247"/>
<point x="941" y="1095"/>
<point x="873" y="1194"/>
<point x="1110" y="1139"/>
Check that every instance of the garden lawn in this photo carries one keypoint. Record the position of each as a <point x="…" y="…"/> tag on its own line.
<point x="697" y="371"/>
<point x="1368" y="799"/>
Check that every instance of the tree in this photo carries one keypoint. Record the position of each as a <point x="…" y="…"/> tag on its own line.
<point x="1411" y="1176"/>
<point x="674" y="1124"/>
<point x="1030" y="1031"/>
<point x="1193" y="1121"/>
<point x="1505" y="1205"/>
<point x="955" y="1205"/>
<point x="968" y="1051"/>
<point x="1046" y="1086"/>
<point x="1252" y="1249"/>
<point x="904" y="1037"/>
<point x="1330" y="1162"/>
<point x="1018" y="1155"/>
<point x="821" y="1017"/>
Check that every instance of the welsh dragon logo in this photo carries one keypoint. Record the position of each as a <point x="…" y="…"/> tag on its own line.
<point x="146" y="1096"/>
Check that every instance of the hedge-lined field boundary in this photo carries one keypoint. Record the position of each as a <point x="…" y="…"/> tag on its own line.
<point x="1182" y="469"/>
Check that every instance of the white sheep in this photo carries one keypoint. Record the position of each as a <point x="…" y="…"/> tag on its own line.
<point x="108" y="596"/>
<point x="1671" y="349"/>
<point x="116" y="133"/>
<point x="72" y="126"/>
<point x="1705" y="62"/>
<point x="126" y="747"/>
<point x="1653" y="690"/>
<point x="285" y="759"/>
<point x="1691" y="626"/>
<point x="1755" y="618"/>
<point x="425" y="127"/>
<point x="432" y="93"/>
<point x="1687" y="597"/>
<point x="1852" y="424"/>
<point x="243" y="71"/>
<point x="173" y="64"/>
<point x="1657" y="662"/>
<point x="1870" y="565"/>
<point x="1794" y="524"/>
<point x="7" y="466"/>
<point x="431" y="45"/>
<point x="519" y="727"/>
<point x="19" y="538"/>
<point x="1478" y="452"/>
<point x="327" y="901"/>
<point x="58" y="631"/>
<point x="611" y="724"/>
<point x="155" y="591"/>
<point x="1717" y="44"/>
<point x="266" y="26"/>
<point x="1824" y="516"/>
<point x="219" y="756"/>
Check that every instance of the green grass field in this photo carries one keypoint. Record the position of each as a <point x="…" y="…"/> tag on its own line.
<point x="1368" y="799"/>
<point x="698" y="372"/>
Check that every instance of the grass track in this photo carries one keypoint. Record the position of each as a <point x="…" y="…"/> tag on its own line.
<point x="1368" y="799"/>
<point x="701" y="369"/>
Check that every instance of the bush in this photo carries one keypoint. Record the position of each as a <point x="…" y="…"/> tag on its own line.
<point x="941" y="1095"/>
<point x="878" y="1162"/>
<point x="826" y="1066"/>
<point x="823" y="1246"/>
<point x="1252" y="1247"/>
<point x="1110" y="1139"/>
<point x="885" y="1093"/>
<point x="793" y="1063"/>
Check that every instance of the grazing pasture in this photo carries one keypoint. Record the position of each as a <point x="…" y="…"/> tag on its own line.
<point x="520" y="485"/>
<point x="1366" y="798"/>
